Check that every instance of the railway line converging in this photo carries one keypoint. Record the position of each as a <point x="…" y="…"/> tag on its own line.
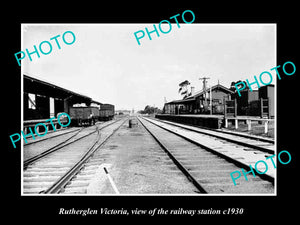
<point x="148" y="156"/>
<point x="207" y="161"/>
<point x="49" y="171"/>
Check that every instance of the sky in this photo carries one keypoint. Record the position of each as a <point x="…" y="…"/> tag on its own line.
<point x="106" y="63"/>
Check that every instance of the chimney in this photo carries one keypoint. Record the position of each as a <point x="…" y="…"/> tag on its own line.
<point x="192" y="90"/>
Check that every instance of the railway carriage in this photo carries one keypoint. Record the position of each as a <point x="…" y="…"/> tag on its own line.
<point x="84" y="116"/>
<point x="89" y="115"/>
<point x="106" y="112"/>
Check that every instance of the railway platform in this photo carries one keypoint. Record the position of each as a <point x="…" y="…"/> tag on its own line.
<point x="242" y="124"/>
<point x="209" y="121"/>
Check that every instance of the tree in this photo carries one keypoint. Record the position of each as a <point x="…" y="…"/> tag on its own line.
<point x="183" y="88"/>
<point x="233" y="88"/>
<point x="150" y="110"/>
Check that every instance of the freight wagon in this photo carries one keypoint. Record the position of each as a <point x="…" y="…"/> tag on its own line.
<point x="81" y="116"/>
<point x="106" y="112"/>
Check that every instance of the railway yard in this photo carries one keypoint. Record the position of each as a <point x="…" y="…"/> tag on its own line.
<point x="185" y="125"/>
<point x="145" y="155"/>
<point x="75" y="145"/>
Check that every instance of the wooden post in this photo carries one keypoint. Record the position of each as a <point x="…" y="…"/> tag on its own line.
<point x="210" y="101"/>
<point x="266" y="126"/>
<point x="67" y="105"/>
<point x="261" y="108"/>
<point x="269" y="109"/>
<point x="38" y="129"/>
<point x="249" y="124"/>
<point x="236" y="122"/>
<point x="226" y="122"/>
<point x="225" y="107"/>
<point x="235" y="108"/>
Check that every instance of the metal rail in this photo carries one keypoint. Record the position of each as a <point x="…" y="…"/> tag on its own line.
<point x="263" y="139"/>
<point x="60" y="145"/>
<point x="65" y="179"/>
<point x="54" y="136"/>
<point x="234" y="161"/>
<point x="176" y="162"/>
<point x="260" y="148"/>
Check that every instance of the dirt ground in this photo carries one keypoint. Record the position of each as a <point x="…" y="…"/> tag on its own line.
<point x="138" y="165"/>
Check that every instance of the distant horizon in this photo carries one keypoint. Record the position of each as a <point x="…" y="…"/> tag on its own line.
<point x="106" y="64"/>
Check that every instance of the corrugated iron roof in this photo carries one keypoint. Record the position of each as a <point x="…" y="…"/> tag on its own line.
<point x="41" y="87"/>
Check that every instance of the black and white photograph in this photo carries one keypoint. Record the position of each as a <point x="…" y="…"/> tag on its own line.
<point x="173" y="115"/>
<point x="170" y="113"/>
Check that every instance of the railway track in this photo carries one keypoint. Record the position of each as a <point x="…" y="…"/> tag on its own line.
<point x="259" y="143"/>
<point x="46" y="138"/>
<point x="40" y="150"/>
<point x="207" y="161"/>
<point x="241" y="152"/>
<point x="51" y="172"/>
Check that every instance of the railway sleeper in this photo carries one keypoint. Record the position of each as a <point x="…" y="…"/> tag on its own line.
<point x="78" y="183"/>
<point x="45" y="173"/>
<point x="73" y="190"/>
<point x="39" y="178"/>
<point x="32" y="190"/>
<point x="41" y="184"/>
<point x="265" y="188"/>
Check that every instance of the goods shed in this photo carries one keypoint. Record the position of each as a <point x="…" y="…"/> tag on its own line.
<point x="42" y="100"/>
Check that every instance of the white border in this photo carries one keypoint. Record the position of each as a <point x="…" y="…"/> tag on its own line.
<point x="22" y="114"/>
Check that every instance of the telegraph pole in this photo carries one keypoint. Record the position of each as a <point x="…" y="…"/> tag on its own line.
<point x="204" y="87"/>
<point x="210" y="99"/>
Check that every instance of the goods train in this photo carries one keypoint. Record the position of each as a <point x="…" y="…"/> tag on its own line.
<point x="89" y="115"/>
<point x="106" y="112"/>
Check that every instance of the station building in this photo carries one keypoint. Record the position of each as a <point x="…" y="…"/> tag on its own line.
<point x="217" y="99"/>
<point x="201" y="102"/>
